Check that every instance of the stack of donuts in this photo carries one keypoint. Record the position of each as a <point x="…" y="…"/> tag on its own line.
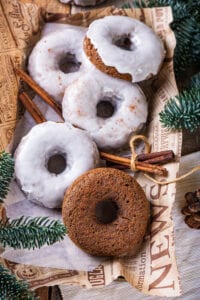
<point x="93" y="73"/>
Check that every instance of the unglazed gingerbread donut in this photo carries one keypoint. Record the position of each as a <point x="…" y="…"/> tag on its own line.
<point x="106" y="213"/>
<point x="124" y="48"/>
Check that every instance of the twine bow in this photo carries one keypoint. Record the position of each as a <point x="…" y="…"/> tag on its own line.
<point x="147" y="149"/>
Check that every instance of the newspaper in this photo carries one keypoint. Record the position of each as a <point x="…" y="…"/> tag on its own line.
<point x="154" y="270"/>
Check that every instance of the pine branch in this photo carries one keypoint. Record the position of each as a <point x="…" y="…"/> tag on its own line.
<point x="13" y="289"/>
<point x="187" y="51"/>
<point x="6" y="173"/>
<point x="31" y="233"/>
<point x="182" y="111"/>
<point x="181" y="8"/>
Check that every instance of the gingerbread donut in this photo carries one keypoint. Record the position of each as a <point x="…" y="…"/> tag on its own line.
<point x="58" y="59"/>
<point x="110" y="109"/>
<point x="106" y="213"/>
<point x="49" y="158"/>
<point x="124" y="48"/>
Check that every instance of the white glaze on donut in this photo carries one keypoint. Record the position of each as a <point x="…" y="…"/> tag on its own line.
<point x="32" y="154"/>
<point x="49" y="51"/>
<point x="81" y="99"/>
<point x="53" y="27"/>
<point x="146" y="52"/>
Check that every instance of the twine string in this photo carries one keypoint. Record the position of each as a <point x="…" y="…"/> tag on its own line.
<point x="195" y="169"/>
<point x="147" y="149"/>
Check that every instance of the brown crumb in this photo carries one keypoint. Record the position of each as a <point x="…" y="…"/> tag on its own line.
<point x="132" y="107"/>
<point x="94" y="57"/>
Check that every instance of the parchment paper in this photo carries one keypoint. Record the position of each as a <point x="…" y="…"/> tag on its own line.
<point x="154" y="269"/>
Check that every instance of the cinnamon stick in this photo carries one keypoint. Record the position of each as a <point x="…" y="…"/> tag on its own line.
<point x="116" y="159"/>
<point x="156" y="157"/>
<point x="158" y="170"/>
<point x="163" y="159"/>
<point x="42" y="93"/>
<point x="32" y="108"/>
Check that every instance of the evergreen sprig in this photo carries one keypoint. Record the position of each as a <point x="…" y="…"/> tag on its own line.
<point x="187" y="51"/>
<point x="181" y="8"/>
<point x="6" y="173"/>
<point x="13" y="289"/>
<point x="31" y="232"/>
<point x="182" y="111"/>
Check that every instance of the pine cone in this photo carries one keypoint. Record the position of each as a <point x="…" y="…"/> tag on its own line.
<point x="192" y="209"/>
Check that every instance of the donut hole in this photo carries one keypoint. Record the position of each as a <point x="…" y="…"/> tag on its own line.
<point x="56" y="163"/>
<point x="124" y="42"/>
<point x="106" y="211"/>
<point x="69" y="63"/>
<point x="106" y="107"/>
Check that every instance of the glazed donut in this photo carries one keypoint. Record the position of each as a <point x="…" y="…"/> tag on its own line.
<point x="58" y="59"/>
<point x="83" y="2"/>
<point x="49" y="158"/>
<point x="110" y="110"/>
<point x="124" y="48"/>
<point x="106" y="213"/>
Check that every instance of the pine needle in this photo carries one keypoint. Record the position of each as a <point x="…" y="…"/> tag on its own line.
<point x="181" y="8"/>
<point x="13" y="289"/>
<point x="187" y="51"/>
<point x="182" y="111"/>
<point x="6" y="173"/>
<point x="31" y="233"/>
